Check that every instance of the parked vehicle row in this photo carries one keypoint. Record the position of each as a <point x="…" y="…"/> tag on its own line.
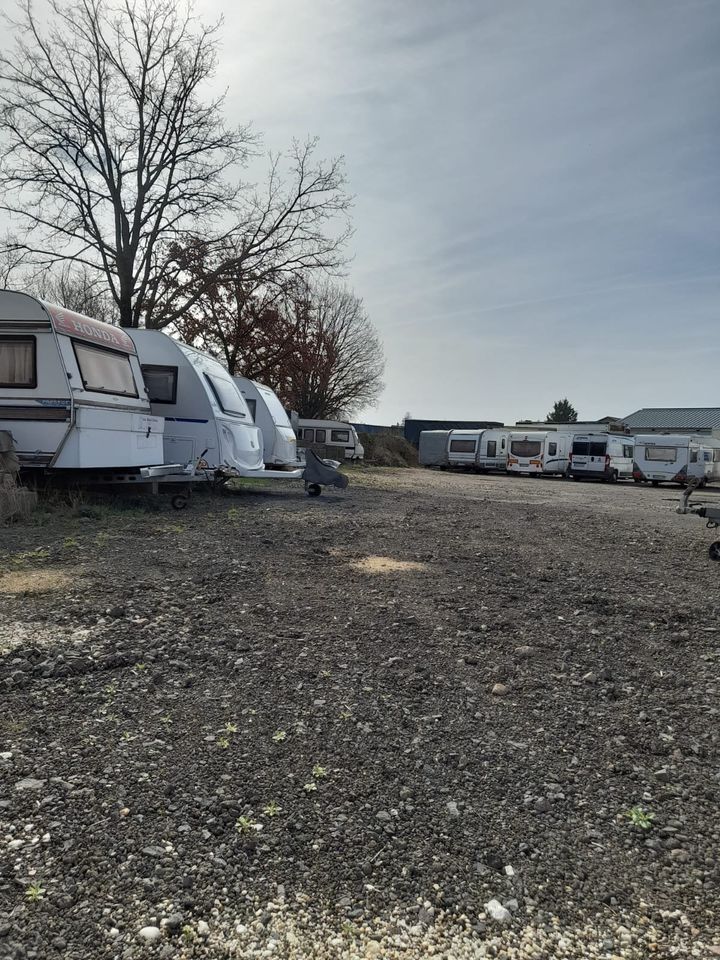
<point x="80" y="395"/>
<point x="652" y="458"/>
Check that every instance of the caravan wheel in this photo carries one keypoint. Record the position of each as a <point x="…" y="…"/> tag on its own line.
<point x="714" y="551"/>
<point x="179" y="502"/>
<point x="314" y="490"/>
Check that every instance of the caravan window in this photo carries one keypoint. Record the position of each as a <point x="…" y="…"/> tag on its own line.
<point x="320" y="436"/>
<point x="693" y="456"/>
<point x="661" y="453"/>
<point x="105" y="371"/>
<point x="17" y="362"/>
<point x="580" y="448"/>
<point x="462" y="446"/>
<point x="525" y="448"/>
<point x="716" y="455"/>
<point x="339" y="436"/>
<point x="161" y="382"/>
<point x="552" y="449"/>
<point x="627" y="450"/>
<point x="502" y="444"/>
<point x="598" y="448"/>
<point x="252" y="406"/>
<point x="492" y="448"/>
<point x="308" y="435"/>
<point x="228" y="396"/>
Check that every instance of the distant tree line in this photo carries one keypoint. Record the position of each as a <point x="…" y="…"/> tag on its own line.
<point x="122" y="182"/>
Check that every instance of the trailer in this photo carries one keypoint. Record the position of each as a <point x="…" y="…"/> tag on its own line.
<point x="433" y="448"/>
<point x="335" y="434"/>
<point x="479" y="450"/>
<point x="279" y="440"/>
<point x="208" y="423"/>
<point x="676" y="458"/>
<point x="709" y="512"/>
<point x="539" y="452"/>
<point x="71" y="391"/>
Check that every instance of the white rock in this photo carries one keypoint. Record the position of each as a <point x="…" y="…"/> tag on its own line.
<point x="497" y="911"/>
<point x="6" y="755"/>
<point x="150" y="934"/>
<point x="15" y="844"/>
<point x="203" y="929"/>
<point x="30" y="783"/>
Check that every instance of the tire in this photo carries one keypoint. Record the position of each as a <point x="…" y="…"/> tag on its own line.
<point x="655" y="483"/>
<point x="314" y="490"/>
<point x="714" y="551"/>
<point x="613" y="478"/>
<point x="179" y="502"/>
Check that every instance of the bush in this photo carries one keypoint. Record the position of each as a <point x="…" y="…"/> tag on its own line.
<point x="388" y="450"/>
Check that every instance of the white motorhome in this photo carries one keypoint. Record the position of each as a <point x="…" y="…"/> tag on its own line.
<point x="433" y="448"/>
<point x="539" y="452"/>
<point x="601" y="456"/>
<point x="675" y="458"/>
<point x="480" y="450"/>
<point x="279" y="441"/>
<point x="206" y="415"/>
<point x="331" y="433"/>
<point x="71" y="391"/>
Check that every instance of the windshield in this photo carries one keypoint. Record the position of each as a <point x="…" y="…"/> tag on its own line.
<point x="525" y="448"/>
<point x="276" y="409"/>
<point x="228" y="396"/>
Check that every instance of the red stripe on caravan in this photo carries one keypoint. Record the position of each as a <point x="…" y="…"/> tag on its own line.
<point x="72" y="324"/>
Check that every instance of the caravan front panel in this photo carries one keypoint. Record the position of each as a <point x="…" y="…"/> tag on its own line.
<point x="71" y="390"/>
<point x="539" y="452"/>
<point x="463" y="447"/>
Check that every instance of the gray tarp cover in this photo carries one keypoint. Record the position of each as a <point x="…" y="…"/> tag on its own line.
<point x="318" y="472"/>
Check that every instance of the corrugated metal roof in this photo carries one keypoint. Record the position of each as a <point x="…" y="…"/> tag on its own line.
<point x="675" y="418"/>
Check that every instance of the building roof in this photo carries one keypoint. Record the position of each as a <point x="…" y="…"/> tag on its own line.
<point x="675" y="418"/>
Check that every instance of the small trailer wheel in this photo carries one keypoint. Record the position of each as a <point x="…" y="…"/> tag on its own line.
<point x="714" y="551"/>
<point x="179" y="502"/>
<point x="314" y="490"/>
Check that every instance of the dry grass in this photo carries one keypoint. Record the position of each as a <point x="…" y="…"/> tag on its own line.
<point x="374" y="564"/>
<point x="34" y="581"/>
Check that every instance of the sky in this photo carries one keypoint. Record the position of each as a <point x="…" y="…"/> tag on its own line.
<point x="536" y="189"/>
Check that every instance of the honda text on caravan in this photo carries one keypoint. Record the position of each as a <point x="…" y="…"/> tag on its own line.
<point x="71" y="391"/>
<point x="601" y="456"/>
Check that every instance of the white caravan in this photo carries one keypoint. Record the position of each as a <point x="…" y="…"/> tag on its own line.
<point x="332" y="433"/>
<point x="601" y="456"/>
<point x="478" y="449"/>
<point x="71" y="390"/>
<point x="206" y="416"/>
<point x="675" y="458"/>
<point x="279" y="441"/>
<point x="539" y="452"/>
<point x="433" y="448"/>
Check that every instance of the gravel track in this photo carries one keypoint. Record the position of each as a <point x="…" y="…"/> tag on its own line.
<point x="241" y="731"/>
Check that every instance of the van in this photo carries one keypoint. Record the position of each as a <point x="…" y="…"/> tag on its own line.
<point x="601" y="456"/>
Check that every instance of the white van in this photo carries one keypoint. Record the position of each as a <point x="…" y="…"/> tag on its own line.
<point x="480" y="450"/>
<point x="539" y="452"/>
<point x="331" y="433"/>
<point x="674" y="458"/>
<point x="279" y="441"/>
<point x="71" y="392"/>
<point x="601" y="456"/>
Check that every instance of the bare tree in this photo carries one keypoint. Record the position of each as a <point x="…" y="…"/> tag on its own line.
<point x="75" y="288"/>
<point x="113" y="158"/>
<point x="12" y="262"/>
<point x="337" y="364"/>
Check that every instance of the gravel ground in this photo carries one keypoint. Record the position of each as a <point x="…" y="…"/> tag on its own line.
<point x="437" y="716"/>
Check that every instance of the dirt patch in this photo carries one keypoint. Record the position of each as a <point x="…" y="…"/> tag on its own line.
<point x="33" y="581"/>
<point x="386" y="565"/>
